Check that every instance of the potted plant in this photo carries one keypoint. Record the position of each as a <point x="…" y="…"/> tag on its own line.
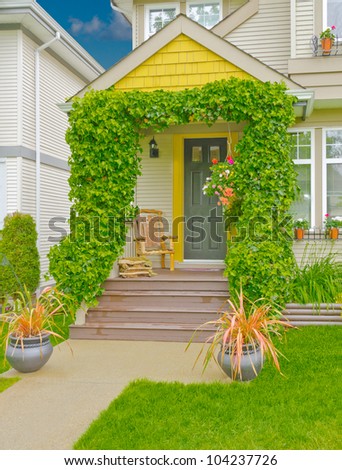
<point x="28" y="324"/>
<point x="245" y="334"/>
<point x="332" y="225"/>
<point x="300" y="225"/>
<point x="327" y="38"/>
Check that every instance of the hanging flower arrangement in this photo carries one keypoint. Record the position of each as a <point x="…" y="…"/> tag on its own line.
<point x="220" y="182"/>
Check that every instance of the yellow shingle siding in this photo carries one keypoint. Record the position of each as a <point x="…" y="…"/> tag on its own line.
<point x="183" y="63"/>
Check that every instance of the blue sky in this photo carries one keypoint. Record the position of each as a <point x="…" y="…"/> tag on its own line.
<point x="105" y="34"/>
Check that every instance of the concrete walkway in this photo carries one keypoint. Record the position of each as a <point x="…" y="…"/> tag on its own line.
<point x="51" y="408"/>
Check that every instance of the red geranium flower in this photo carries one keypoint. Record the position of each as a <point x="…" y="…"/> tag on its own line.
<point x="214" y="161"/>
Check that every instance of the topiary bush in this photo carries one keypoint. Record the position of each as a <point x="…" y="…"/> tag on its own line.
<point x="18" y="245"/>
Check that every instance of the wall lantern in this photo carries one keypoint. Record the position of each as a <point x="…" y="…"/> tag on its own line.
<point x="154" y="150"/>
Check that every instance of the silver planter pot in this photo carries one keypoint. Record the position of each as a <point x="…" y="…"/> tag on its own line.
<point x="32" y="356"/>
<point x="252" y="362"/>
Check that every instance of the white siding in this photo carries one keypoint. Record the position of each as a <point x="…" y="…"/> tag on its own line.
<point x="8" y="87"/>
<point x="29" y="105"/>
<point x="322" y="248"/>
<point x="28" y="187"/>
<point x="12" y="185"/>
<point x="57" y="83"/>
<point x="154" y="188"/>
<point x="155" y="185"/>
<point x="304" y="27"/>
<point x="267" y="35"/>
<point x="54" y="203"/>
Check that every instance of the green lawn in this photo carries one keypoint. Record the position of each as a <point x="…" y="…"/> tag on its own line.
<point x="6" y="383"/>
<point x="299" y="411"/>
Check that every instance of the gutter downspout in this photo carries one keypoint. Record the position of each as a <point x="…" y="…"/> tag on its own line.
<point x="37" y="93"/>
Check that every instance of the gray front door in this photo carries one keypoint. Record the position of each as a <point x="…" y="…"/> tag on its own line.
<point x="204" y="233"/>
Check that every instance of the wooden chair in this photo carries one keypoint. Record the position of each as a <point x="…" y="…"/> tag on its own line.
<point x="150" y="237"/>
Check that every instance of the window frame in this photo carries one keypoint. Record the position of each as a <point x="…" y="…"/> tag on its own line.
<point x="156" y="6"/>
<point x="194" y="2"/>
<point x="325" y="162"/>
<point x="311" y="162"/>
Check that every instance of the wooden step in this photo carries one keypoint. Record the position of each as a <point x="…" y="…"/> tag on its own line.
<point x="205" y="300"/>
<point x="110" y="316"/>
<point x="141" y="284"/>
<point x="139" y="332"/>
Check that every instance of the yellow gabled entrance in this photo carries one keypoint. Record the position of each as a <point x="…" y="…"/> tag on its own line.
<point x="183" y="63"/>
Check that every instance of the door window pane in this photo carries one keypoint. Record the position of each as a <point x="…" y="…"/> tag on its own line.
<point x="214" y="153"/>
<point x="334" y="189"/>
<point x="197" y="154"/>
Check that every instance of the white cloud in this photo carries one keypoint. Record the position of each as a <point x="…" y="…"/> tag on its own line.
<point x="118" y="28"/>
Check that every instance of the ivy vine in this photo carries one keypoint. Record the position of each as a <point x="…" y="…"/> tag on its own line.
<point x="105" y="130"/>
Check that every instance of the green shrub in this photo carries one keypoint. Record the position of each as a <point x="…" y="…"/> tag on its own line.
<point x="20" y="263"/>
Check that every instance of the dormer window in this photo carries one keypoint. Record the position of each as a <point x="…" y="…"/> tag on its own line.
<point x="159" y="15"/>
<point x="206" y="13"/>
<point x="332" y="15"/>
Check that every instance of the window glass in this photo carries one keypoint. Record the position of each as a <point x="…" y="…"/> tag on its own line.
<point x="334" y="189"/>
<point x="214" y="152"/>
<point x="301" y="153"/>
<point x="301" y="145"/>
<point x="301" y="208"/>
<point x="205" y="13"/>
<point x="159" y="17"/>
<point x="197" y="154"/>
<point x="334" y="15"/>
<point x="334" y="144"/>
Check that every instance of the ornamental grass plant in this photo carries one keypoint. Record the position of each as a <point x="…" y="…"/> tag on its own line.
<point x="318" y="279"/>
<point x="244" y="322"/>
<point x="25" y="316"/>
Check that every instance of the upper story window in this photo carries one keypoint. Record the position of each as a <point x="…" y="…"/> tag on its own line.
<point x="159" y="15"/>
<point x="206" y="13"/>
<point x="333" y="15"/>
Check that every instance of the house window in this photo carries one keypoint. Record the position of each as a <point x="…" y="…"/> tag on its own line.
<point x="205" y="13"/>
<point x="333" y="15"/>
<point x="302" y="152"/>
<point x="157" y="16"/>
<point x="332" y="174"/>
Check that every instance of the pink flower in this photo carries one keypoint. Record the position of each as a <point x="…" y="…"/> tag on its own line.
<point x="326" y="215"/>
<point x="228" y="192"/>
<point x="217" y="193"/>
<point x="213" y="186"/>
<point x="230" y="160"/>
<point x="333" y="27"/>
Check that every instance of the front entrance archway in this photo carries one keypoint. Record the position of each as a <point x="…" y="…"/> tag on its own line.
<point x="104" y="134"/>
